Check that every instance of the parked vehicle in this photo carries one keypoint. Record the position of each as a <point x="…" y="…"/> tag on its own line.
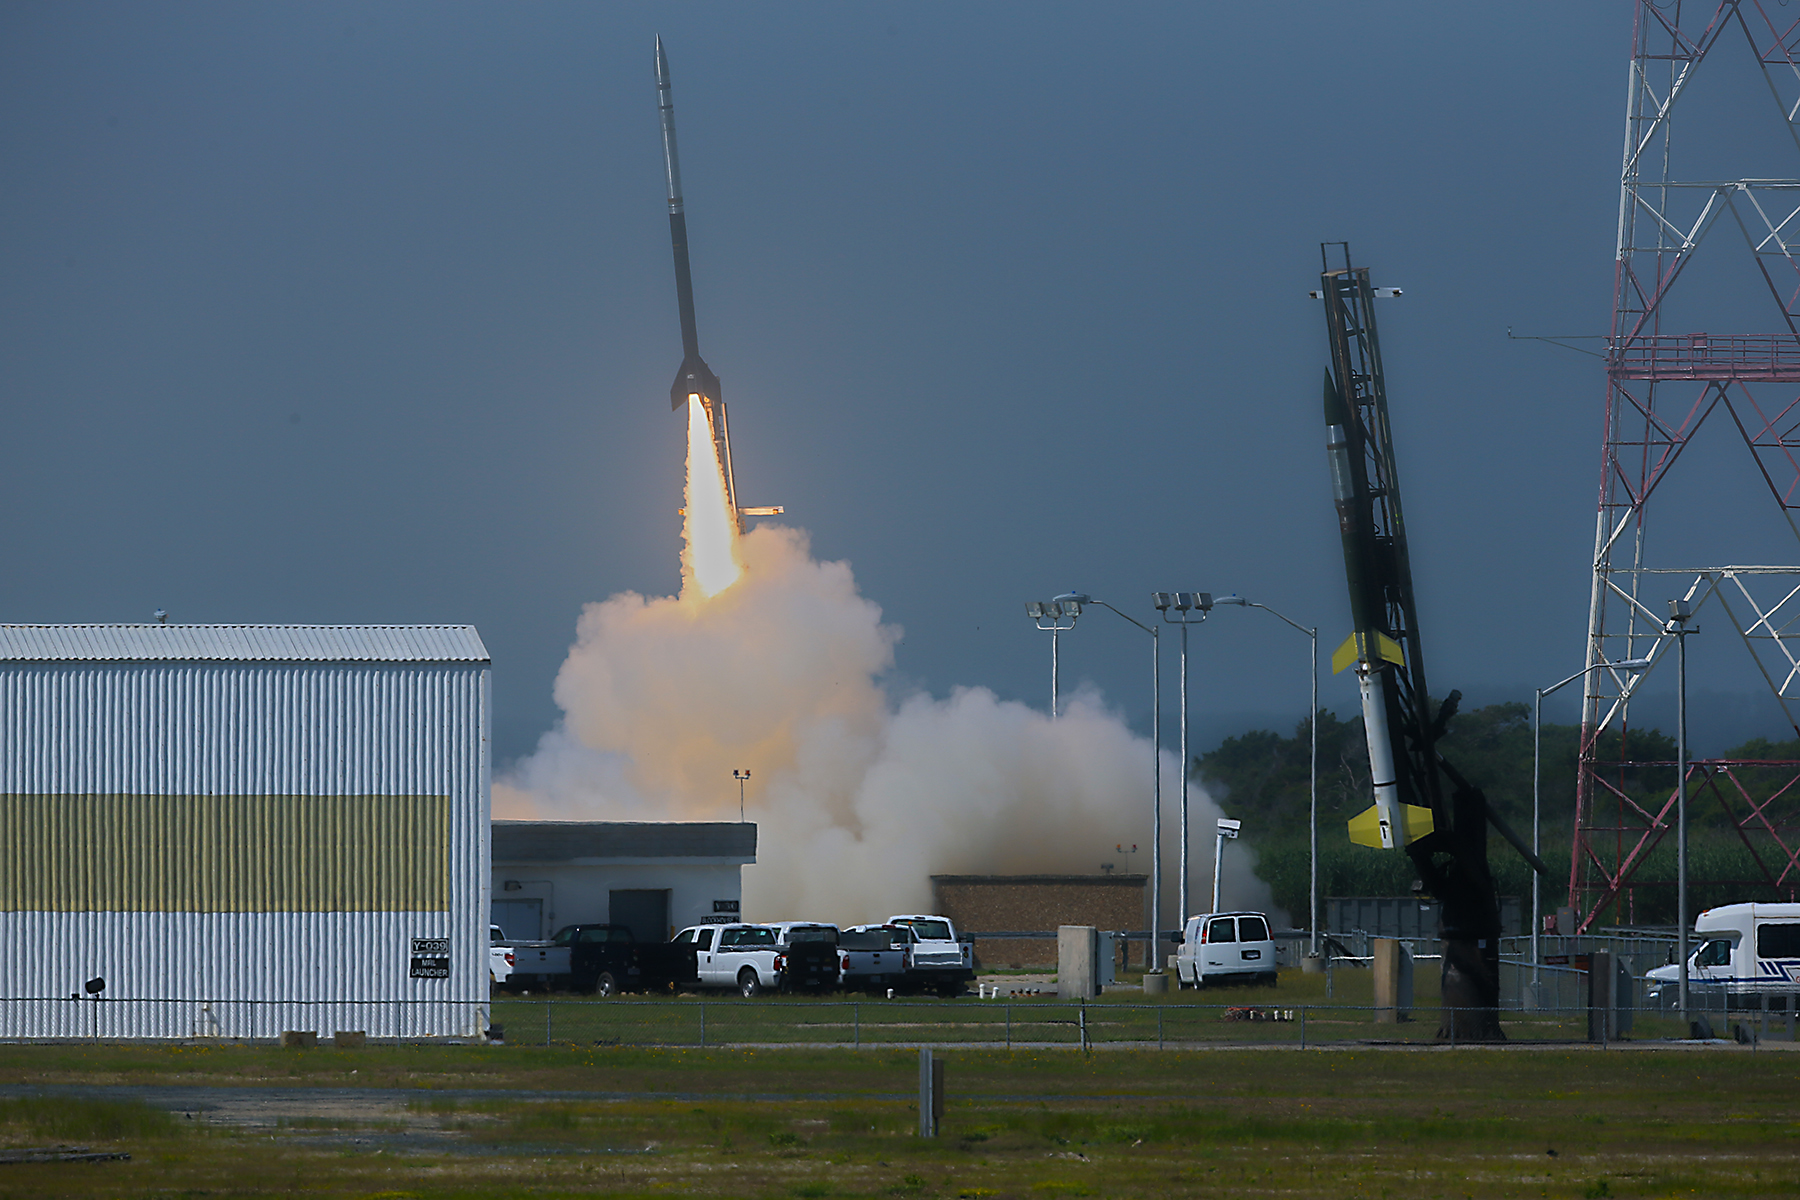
<point x="734" y="956"/>
<point x="937" y="959"/>
<point x="542" y="964"/>
<point x="1745" y="950"/>
<point x="809" y="955"/>
<point x="601" y="958"/>
<point x="872" y="957"/>
<point x="500" y="957"/>
<point x="1225" y="948"/>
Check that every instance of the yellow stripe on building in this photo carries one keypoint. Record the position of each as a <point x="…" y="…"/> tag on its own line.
<point x="224" y="854"/>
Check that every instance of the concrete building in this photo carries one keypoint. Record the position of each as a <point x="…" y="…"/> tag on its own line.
<point x="987" y="904"/>
<point x="243" y="829"/>
<point x="655" y="876"/>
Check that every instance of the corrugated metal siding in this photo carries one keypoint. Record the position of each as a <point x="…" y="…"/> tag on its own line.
<point x="224" y="853"/>
<point x="180" y="731"/>
<point x="241" y="643"/>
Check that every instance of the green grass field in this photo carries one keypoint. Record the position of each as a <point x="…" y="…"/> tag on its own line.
<point x="609" y="1121"/>
<point x="1334" y="1011"/>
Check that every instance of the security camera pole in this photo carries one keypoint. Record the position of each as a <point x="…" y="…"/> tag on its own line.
<point x="1228" y="830"/>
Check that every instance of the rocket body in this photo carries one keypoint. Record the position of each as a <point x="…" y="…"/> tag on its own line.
<point x="1392" y="822"/>
<point x="695" y="382"/>
<point x="694" y="378"/>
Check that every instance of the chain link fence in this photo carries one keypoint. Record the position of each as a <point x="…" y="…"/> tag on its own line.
<point x="1016" y="1024"/>
<point x="103" y="1018"/>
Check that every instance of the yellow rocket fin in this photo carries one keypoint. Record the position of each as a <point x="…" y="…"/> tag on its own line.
<point x="1365" y="827"/>
<point x="1355" y="649"/>
<point x="1418" y="822"/>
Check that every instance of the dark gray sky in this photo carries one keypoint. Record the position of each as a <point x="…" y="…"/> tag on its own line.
<point x="364" y="312"/>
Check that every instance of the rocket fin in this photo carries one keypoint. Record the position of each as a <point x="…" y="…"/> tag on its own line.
<point x="1418" y="822"/>
<point x="1387" y="648"/>
<point x="1356" y="649"/>
<point x="1365" y="827"/>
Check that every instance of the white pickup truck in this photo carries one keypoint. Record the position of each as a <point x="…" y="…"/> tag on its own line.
<point x="937" y="960"/>
<point x="744" y="957"/>
<point x="500" y="956"/>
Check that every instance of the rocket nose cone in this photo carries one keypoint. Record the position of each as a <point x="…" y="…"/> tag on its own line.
<point x="662" y="62"/>
<point x="1334" y="403"/>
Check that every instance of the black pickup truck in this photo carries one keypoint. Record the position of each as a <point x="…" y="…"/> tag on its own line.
<point x="809" y="956"/>
<point x="608" y="959"/>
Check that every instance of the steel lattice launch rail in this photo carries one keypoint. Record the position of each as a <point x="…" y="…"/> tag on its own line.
<point x="1662" y="389"/>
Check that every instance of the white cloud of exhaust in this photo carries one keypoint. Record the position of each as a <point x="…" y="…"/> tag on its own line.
<point x="859" y="796"/>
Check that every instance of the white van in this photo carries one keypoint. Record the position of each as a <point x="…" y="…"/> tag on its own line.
<point x="1225" y="948"/>
<point x="1744" y="949"/>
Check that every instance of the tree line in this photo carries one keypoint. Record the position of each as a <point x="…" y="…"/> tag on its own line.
<point x="1260" y="778"/>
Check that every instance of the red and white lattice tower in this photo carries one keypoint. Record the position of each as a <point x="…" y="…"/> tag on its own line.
<point x="1664" y="388"/>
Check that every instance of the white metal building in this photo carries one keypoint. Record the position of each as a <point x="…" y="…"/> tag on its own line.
<point x="655" y="876"/>
<point x="243" y="829"/>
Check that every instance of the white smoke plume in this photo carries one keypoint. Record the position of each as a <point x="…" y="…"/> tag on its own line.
<point x="859" y="796"/>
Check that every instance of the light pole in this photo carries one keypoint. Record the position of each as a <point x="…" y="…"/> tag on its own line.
<point x="740" y="776"/>
<point x="1183" y="603"/>
<point x="1228" y="831"/>
<point x="1312" y="762"/>
<point x="1065" y="607"/>
<point x="1537" y="759"/>
<point x="1680" y="613"/>
<point x="1155" y="965"/>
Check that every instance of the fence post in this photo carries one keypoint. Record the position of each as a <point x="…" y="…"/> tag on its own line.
<point x="549" y="1017"/>
<point x="1159" y="1027"/>
<point x="1083" y="1021"/>
<point x="927" y="1125"/>
<point x="1303" y="1026"/>
<point x="703" y="1024"/>
<point x="856" y="1021"/>
<point x="1009" y="1025"/>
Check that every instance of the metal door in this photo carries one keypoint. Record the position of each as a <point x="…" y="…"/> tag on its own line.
<point x="644" y="911"/>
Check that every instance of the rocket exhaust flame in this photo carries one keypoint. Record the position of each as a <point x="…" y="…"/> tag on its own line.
<point x="710" y="560"/>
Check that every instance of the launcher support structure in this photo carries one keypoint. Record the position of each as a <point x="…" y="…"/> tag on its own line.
<point x="1422" y="807"/>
